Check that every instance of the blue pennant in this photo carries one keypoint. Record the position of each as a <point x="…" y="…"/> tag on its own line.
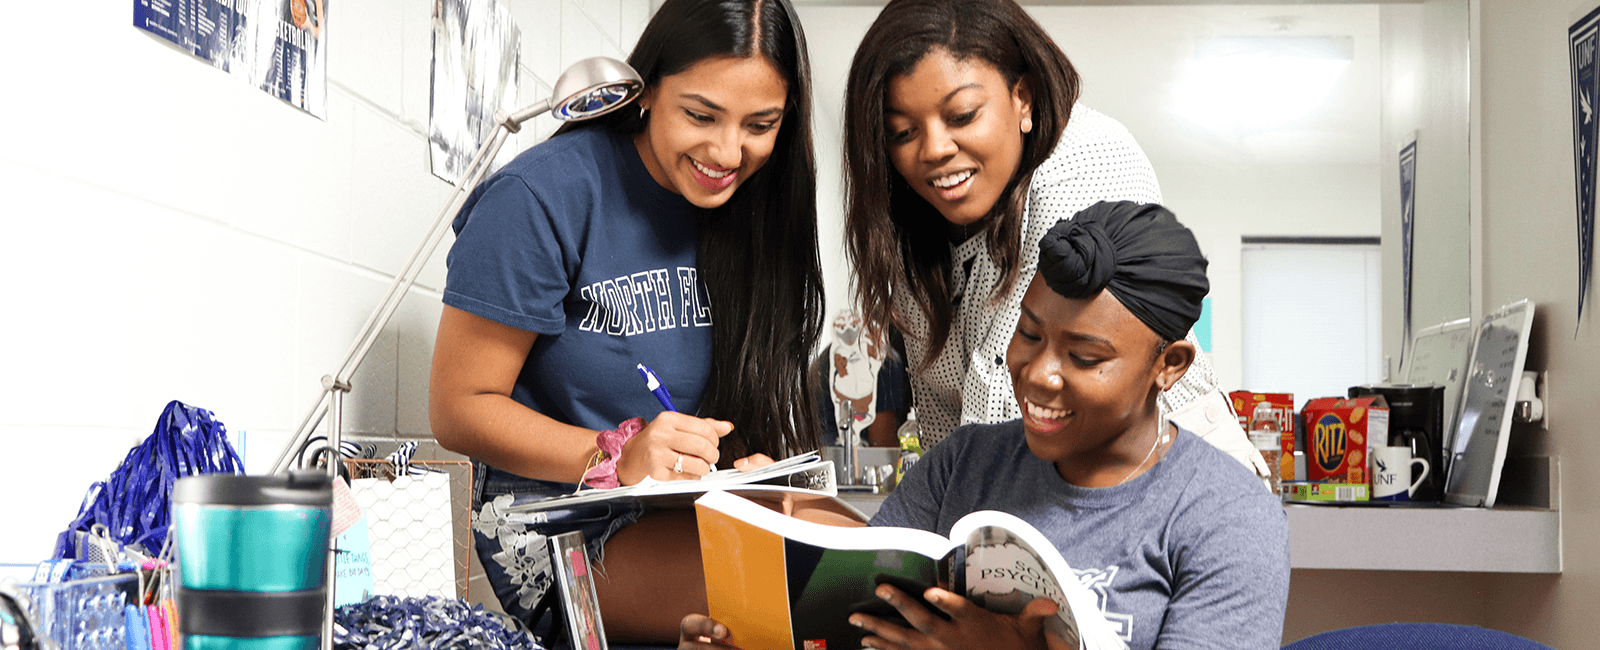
<point x="1408" y="219"/>
<point x="1582" y="40"/>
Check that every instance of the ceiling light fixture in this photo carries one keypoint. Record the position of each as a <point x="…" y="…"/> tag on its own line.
<point x="1242" y="83"/>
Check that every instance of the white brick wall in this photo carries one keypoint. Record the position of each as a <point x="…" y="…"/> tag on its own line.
<point x="169" y="233"/>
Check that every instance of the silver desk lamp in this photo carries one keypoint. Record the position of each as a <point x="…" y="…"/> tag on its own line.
<point x="589" y="88"/>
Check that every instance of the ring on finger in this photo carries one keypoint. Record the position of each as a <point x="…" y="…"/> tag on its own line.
<point x="677" y="467"/>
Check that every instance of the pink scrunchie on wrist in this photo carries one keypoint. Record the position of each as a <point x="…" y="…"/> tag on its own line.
<point x="604" y="475"/>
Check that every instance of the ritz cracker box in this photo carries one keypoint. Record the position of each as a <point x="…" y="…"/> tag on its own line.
<point x="1341" y="435"/>
<point x="1244" y="404"/>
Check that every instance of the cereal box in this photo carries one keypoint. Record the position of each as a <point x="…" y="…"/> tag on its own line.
<point x="1340" y="437"/>
<point x="1244" y="404"/>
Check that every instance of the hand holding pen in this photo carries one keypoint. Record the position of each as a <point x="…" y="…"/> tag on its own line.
<point x="754" y="461"/>
<point x="673" y="446"/>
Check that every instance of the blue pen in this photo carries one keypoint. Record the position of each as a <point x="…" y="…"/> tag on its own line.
<point x="655" y="386"/>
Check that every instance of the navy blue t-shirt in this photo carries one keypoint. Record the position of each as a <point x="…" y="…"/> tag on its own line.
<point x="573" y="240"/>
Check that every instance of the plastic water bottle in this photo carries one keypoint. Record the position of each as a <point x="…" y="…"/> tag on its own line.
<point x="910" y="435"/>
<point x="1268" y="439"/>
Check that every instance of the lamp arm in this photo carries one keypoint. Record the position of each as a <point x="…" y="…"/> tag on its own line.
<point x="333" y="386"/>
<point x="514" y="121"/>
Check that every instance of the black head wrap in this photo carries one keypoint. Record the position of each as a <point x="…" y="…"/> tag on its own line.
<point x="1140" y="253"/>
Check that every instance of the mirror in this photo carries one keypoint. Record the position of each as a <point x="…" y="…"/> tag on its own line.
<point x="1237" y="159"/>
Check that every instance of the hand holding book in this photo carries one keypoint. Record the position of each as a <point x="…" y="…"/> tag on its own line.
<point x="963" y="624"/>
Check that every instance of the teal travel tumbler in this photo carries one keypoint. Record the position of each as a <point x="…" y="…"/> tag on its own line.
<point x="252" y="559"/>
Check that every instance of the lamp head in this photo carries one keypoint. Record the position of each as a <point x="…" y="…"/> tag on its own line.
<point x="593" y="87"/>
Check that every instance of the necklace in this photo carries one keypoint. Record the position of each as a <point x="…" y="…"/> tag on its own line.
<point x="960" y="234"/>
<point x="1158" y="440"/>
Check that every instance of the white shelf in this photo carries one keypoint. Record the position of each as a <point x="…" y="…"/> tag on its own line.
<point x="1521" y="534"/>
<point x="1503" y="539"/>
<point x="1496" y="540"/>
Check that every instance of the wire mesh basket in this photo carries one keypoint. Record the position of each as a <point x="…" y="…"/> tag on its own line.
<point x="85" y="612"/>
<point x="404" y="528"/>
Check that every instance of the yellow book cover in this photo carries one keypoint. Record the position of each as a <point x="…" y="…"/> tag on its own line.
<point x="746" y="587"/>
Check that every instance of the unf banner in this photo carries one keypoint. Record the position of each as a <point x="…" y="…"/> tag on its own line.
<point x="1408" y="220"/>
<point x="1581" y="42"/>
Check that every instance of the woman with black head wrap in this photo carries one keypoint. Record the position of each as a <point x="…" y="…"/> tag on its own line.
<point x="1140" y="253"/>
<point x="1176" y="537"/>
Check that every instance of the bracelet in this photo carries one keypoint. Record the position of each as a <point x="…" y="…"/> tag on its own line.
<point x="602" y="470"/>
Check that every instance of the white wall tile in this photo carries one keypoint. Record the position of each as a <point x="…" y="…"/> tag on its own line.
<point x="370" y="406"/>
<point x="416" y="55"/>
<point x="313" y="211"/>
<point x="607" y="14"/>
<point x="415" y="326"/>
<point x="635" y="14"/>
<point x="357" y="29"/>
<point x="149" y="306"/>
<point x="394" y="191"/>
<point x="77" y="314"/>
<point x="219" y="339"/>
<point x="334" y="305"/>
<point x="540" y="22"/>
<point x="581" y="38"/>
<point x="259" y="448"/>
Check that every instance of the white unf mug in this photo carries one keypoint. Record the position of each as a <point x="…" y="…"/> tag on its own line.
<point x="1391" y="471"/>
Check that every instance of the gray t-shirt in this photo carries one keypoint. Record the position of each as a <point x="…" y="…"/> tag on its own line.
<point x="1191" y="554"/>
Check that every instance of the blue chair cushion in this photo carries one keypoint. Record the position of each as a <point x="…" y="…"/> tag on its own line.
<point x="1415" y="636"/>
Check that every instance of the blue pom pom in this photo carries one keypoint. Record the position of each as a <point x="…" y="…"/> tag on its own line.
<point x="430" y="623"/>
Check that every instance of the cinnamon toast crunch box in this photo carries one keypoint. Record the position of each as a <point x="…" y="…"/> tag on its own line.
<point x="1340" y="437"/>
<point x="1244" y="404"/>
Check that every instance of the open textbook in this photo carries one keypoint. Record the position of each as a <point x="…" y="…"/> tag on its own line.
<point x="780" y="583"/>
<point x="806" y="475"/>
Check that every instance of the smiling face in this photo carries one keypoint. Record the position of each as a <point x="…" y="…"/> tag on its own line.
<point x="711" y="126"/>
<point x="955" y="132"/>
<point x="1086" y="374"/>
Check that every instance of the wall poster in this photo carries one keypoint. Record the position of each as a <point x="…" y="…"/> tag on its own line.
<point x="1408" y="231"/>
<point x="1581" y="42"/>
<point x="278" y="46"/>
<point x="475" y="45"/>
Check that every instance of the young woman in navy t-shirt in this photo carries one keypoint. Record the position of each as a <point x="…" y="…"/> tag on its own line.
<point x="679" y="234"/>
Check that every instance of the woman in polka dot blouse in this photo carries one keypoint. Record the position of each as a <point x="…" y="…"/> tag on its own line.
<point x="965" y="145"/>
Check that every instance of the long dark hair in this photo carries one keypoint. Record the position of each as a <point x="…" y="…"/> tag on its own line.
<point x="757" y="252"/>
<point x="895" y="235"/>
